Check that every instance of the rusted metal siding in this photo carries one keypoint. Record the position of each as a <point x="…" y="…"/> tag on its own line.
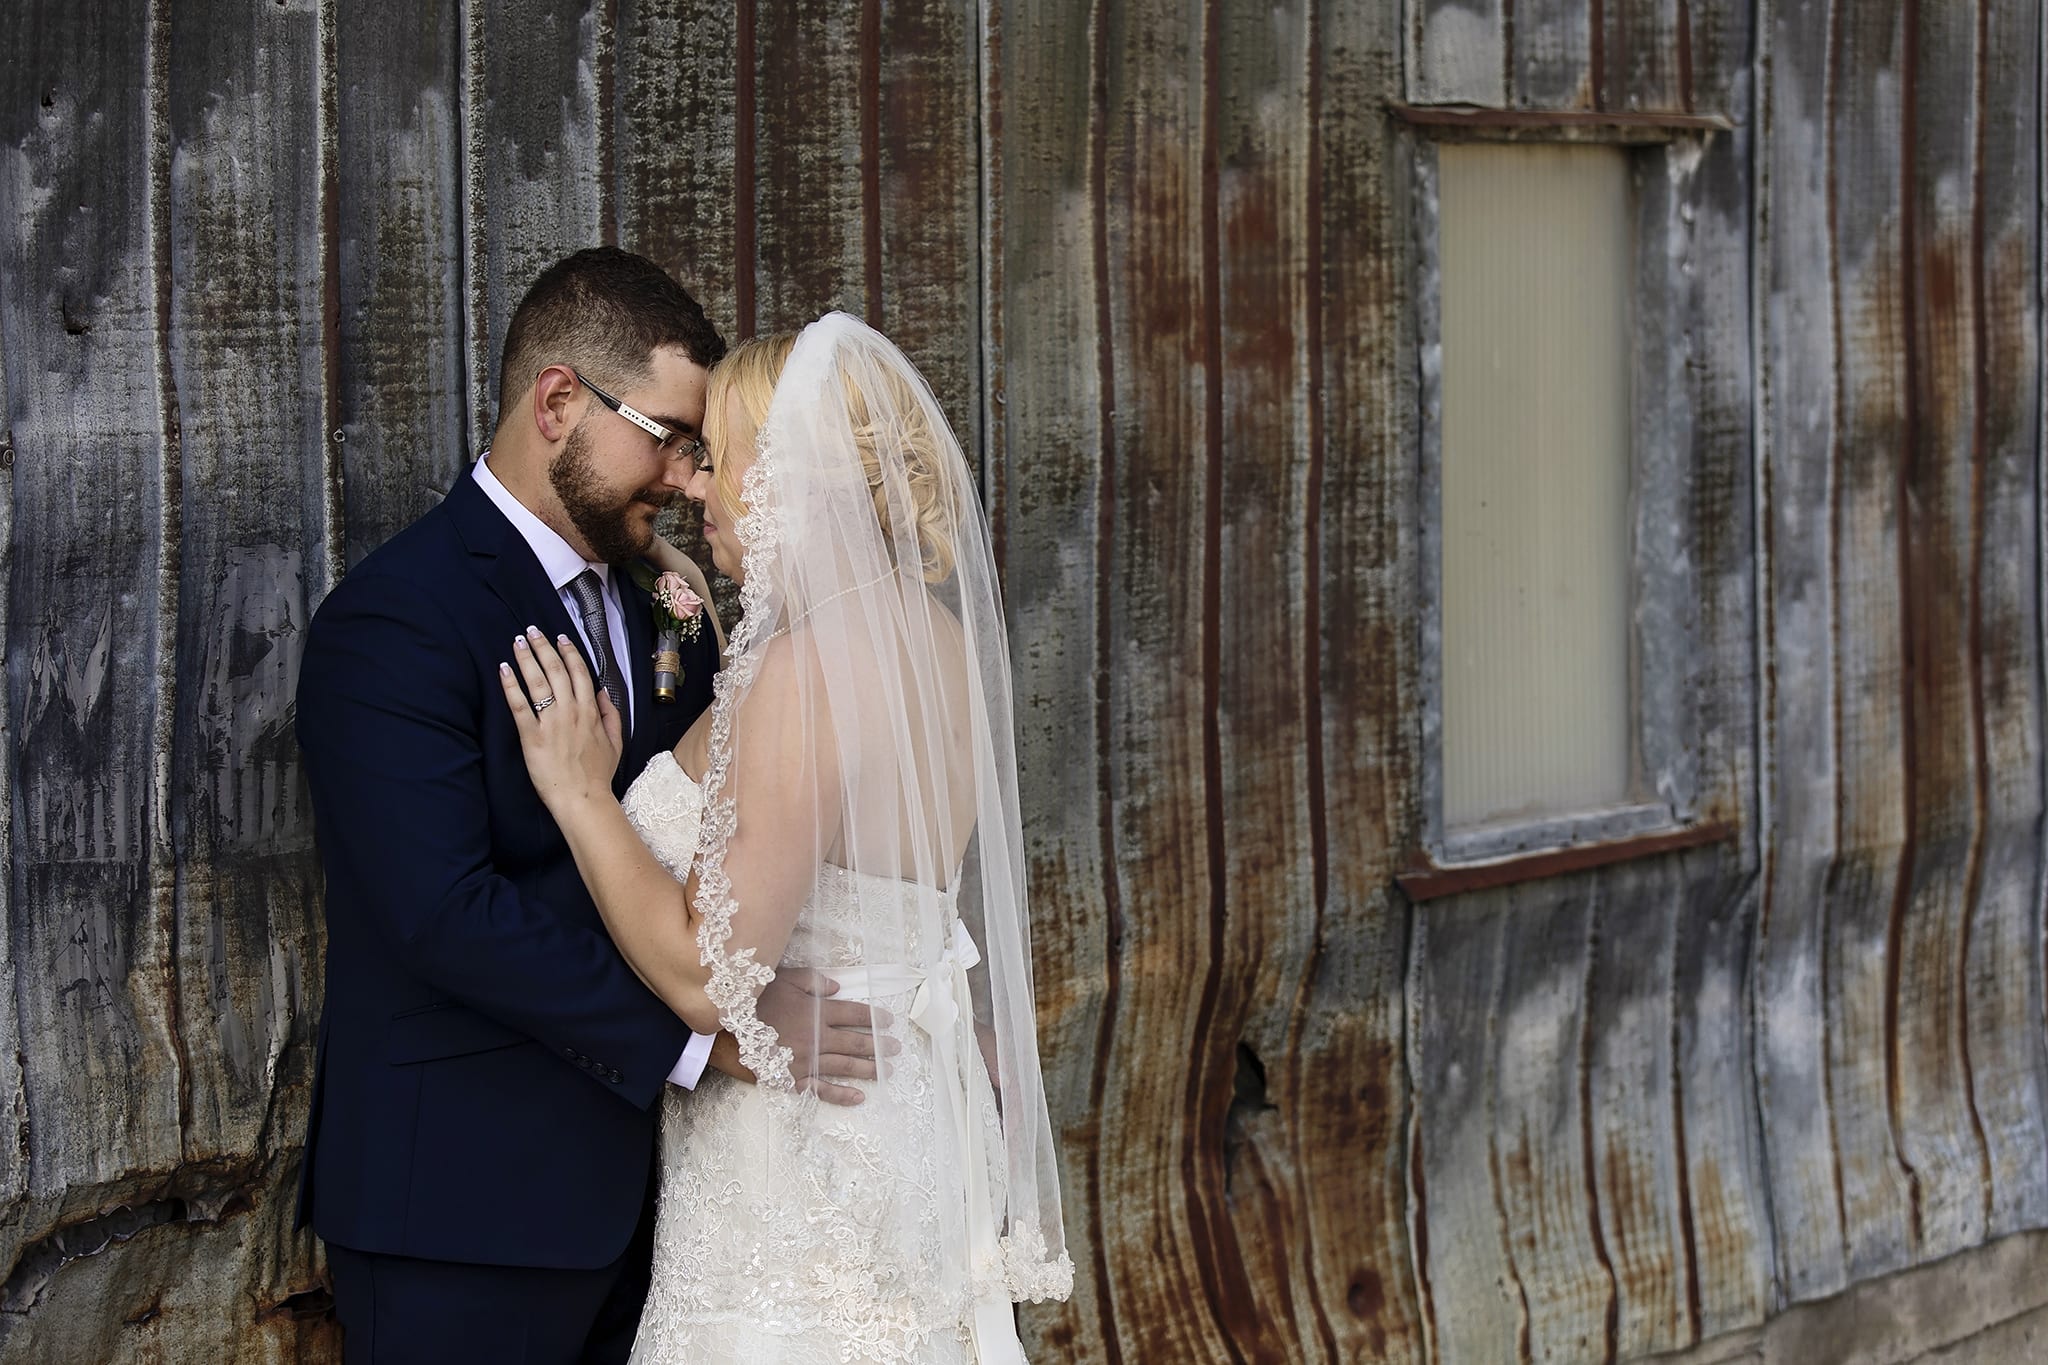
<point x="1168" y="268"/>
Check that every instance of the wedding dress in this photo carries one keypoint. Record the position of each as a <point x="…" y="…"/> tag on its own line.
<point x="871" y="648"/>
<point x="849" y="1264"/>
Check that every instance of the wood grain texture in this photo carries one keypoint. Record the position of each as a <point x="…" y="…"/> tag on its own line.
<point x="246" y="339"/>
<point x="1052" y="456"/>
<point x="1641" y="58"/>
<point x="925" y="238"/>
<point x="809" y="205"/>
<point x="90" y="939"/>
<point x="534" y="117"/>
<point x="1457" y="51"/>
<point x="677" y="167"/>
<point x="1870" y="881"/>
<point x="1629" y="1076"/>
<point x="1174" y="1269"/>
<point x="1708" y="203"/>
<point x="2003" y="986"/>
<point x="1550" y="61"/>
<point x="1353" y="1121"/>
<point x="1939" y="1135"/>
<point x="1798" y="434"/>
<point x="154" y="1059"/>
<point x="1470" y="1258"/>
<point x="1256" y="240"/>
<point x="399" y="193"/>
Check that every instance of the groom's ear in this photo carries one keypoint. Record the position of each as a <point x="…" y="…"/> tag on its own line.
<point x="554" y="392"/>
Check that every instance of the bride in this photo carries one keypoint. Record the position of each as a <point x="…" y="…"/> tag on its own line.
<point x="848" y="803"/>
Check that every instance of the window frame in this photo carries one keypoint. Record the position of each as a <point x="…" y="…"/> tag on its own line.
<point x="1664" y="588"/>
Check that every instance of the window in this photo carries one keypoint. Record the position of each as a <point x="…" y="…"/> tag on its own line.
<point x="1534" y="254"/>
<point x="1559" y="580"/>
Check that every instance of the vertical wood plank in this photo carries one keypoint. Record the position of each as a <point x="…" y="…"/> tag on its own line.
<point x="1798" y="435"/>
<point x="533" y="165"/>
<point x="1262" y="132"/>
<point x="676" y="123"/>
<point x="2004" y="987"/>
<point x="1164" y="1263"/>
<point x="810" y="204"/>
<point x="1054" y="459"/>
<point x="1866" y="892"/>
<point x="14" y="1165"/>
<point x="1361" y="660"/>
<point x="1456" y="984"/>
<point x="245" y="342"/>
<point x="89" y="909"/>
<point x="1717" y="36"/>
<point x="1628" y="1077"/>
<point x="927" y="198"/>
<point x="1640" y="62"/>
<point x="1550" y="59"/>
<point x="1457" y="52"/>
<point x="1938" y="1131"/>
<point x="1727" y="1281"/>
<point x="1707" y="211"/>
<point x="1541" y="1076"/>
<point x="404" y="386"/>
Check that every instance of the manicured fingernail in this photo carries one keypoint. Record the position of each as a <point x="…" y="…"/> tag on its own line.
<point x="534" y="631"/>
<point x="504" y="667"/>
<point x="519" y="643"/>
<point x="561" y="639"/>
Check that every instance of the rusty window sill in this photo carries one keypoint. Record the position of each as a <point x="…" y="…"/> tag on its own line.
<point x="1430" y="880"/>
<point x="1554" y="125"/>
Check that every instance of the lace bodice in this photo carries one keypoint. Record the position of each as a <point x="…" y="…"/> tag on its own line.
<point x="803" y="1232"/>
<point x="851" y="916"/>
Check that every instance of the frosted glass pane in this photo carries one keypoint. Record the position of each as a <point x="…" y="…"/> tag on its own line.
<point x="1535" y="253"/>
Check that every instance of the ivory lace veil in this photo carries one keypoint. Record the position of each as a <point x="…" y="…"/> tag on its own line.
<point x="871" y="666"/>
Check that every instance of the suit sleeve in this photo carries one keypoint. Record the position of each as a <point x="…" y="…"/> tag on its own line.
<point x="390" y="723"/>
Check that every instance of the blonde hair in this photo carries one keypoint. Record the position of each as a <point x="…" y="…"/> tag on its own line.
<point x="750" y="373"/>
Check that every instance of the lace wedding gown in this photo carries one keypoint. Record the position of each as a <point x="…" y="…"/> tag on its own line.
<point x="844" y="1262"/>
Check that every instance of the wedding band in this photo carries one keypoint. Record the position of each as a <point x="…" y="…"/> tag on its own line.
<point x="543" y="704"/>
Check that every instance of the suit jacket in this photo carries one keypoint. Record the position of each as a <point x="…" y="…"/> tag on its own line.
<point x="488" y="1065"/>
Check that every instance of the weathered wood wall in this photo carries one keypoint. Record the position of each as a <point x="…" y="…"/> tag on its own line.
<point x="1164" y="263"/>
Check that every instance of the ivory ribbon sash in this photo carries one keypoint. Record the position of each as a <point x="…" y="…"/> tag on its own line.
<point x="940" y="1009"/>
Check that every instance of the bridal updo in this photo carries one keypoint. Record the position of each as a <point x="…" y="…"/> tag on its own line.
<point x="896" y="417"/>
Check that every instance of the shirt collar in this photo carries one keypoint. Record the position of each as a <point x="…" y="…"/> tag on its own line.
<point x="558" y="559"/>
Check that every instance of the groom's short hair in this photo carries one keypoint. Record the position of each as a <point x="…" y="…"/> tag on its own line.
<point x="606" y="312"/>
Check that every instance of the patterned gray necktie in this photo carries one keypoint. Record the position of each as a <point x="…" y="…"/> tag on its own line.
<point x="589" y="591"/>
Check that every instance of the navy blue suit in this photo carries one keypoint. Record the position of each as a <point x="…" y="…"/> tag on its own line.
<point x="488" y="1065"/>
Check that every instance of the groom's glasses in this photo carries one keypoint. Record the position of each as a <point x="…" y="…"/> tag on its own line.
<point x="667" y="440"/>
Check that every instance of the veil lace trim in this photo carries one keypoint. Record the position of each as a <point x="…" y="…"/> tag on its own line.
<point x="737" y="980"/>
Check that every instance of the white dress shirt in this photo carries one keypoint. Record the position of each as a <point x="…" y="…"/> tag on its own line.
<point x="560" y="562"/>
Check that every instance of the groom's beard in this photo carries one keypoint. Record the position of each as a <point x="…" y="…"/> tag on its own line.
<point x="602" y="516"/>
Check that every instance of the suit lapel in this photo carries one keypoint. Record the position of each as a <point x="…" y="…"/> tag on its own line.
<point x="512" y="572"/>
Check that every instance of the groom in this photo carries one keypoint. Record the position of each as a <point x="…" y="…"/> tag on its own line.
<point x="479" y="1156"/>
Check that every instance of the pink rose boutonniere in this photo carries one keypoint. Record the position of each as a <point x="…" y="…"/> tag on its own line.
<point x="678" y="616"/>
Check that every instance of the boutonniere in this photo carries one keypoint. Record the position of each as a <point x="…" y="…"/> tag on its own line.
<point x="678" y="616"/>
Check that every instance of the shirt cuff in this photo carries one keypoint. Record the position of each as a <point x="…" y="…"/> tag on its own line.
<point x="689" y="1068"/>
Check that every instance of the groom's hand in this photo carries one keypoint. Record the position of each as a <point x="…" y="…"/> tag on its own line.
<point x="829" y="1039"/>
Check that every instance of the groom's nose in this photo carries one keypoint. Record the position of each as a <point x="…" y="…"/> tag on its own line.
<point x="678" y="475"/>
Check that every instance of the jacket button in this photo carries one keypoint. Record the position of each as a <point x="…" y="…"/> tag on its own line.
<point x="612" y="1076"/>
